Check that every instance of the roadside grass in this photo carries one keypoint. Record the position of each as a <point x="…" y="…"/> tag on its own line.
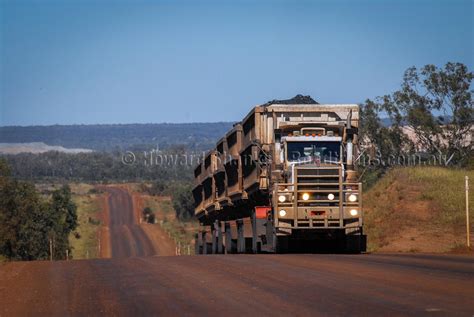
<point x="444" y="187"/>
<point x="182" y="232"/>
<point x="161" y="207"/>
<point x="84" y="240"/>
<point x="417" y="204"/>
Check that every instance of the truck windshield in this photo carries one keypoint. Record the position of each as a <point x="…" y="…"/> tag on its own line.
<point x="322" y="150"/>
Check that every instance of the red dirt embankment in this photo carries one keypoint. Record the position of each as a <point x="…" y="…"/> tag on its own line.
<point x="418" y="209"/>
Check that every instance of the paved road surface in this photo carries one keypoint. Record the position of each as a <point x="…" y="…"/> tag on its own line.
<point x="378" y="285"/>
<point x="127" y="238"/>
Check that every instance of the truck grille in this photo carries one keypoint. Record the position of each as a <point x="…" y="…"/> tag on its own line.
<point x="318" y="183"/>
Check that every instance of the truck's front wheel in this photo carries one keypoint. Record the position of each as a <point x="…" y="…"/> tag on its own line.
<point x="282" y="244"/>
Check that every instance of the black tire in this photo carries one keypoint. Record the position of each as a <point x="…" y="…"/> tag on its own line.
<point x="356" y="244"/>
<point x="282" y="245"/>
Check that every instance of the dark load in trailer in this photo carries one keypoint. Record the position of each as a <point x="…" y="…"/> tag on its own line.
<point x="282" y="180"/>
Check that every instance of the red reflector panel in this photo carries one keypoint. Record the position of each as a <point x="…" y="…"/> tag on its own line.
<point x="261" y="212"/>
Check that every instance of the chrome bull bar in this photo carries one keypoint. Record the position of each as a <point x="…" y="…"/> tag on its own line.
<point x="318" y="198"/>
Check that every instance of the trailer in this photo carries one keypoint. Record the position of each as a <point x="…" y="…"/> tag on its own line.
<point x="282" y="180"/>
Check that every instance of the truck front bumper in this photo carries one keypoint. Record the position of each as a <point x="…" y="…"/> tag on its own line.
<point x="317" y="218"/>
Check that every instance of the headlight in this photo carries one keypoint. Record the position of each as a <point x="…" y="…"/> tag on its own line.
<point x="282" y="198"/>
<point x="282" y="213"/>
<point x="354" y="212"/>
<point x="331" y="196"/>
<point x="305" y="196"/>
<point x="352" y="198"/>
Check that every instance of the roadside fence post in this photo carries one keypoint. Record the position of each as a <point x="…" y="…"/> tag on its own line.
<point x="468" y="240"/>
<point x="98" y="247"/>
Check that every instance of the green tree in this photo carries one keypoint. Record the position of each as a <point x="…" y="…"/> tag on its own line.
<point x="24" y="221"/>
<point x="28" y="222"/>
<point x="382" y="141"/>
<point x="63" y="220"/>
<point x="436" y="103"/>
<point x="62" y="203"/>
<point x="183" y="201"/>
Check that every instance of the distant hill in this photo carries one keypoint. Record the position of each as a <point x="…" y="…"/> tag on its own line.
<point x="108" y="137"/>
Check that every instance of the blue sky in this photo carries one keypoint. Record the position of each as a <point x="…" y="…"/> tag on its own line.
<point x="74" y="62"/>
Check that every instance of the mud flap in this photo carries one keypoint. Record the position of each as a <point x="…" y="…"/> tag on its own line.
<point x="229" y="248"/>
<point x="197" y="244"/>
<point x="240" y="237"/>
<point x="259" y="230"/>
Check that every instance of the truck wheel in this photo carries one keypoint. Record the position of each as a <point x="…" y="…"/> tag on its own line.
<point x="281" y="245"/>
<point x="356" y="243"/>
<point x="197" y="246"/>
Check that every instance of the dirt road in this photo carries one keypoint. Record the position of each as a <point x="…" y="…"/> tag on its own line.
<point x="393" y="285"/>
<point x="134" y="283"/>
<point x="126" y="236"/>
